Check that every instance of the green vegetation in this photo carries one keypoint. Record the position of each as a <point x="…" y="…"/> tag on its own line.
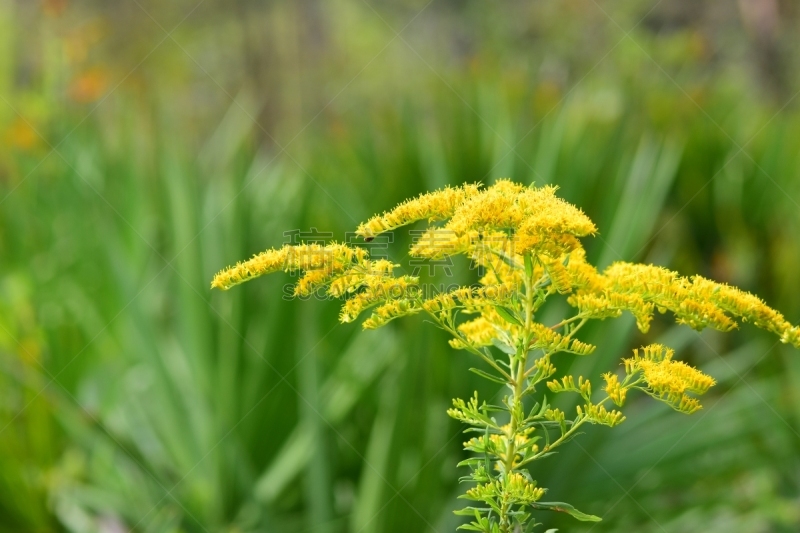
<point x="132" y="397"/>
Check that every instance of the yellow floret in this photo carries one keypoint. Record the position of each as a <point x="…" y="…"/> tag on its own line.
<point x="431" y="206"/>
<point x="668" y="380"/>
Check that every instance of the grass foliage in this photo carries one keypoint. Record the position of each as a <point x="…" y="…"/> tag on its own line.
<point x="132" y="398"/>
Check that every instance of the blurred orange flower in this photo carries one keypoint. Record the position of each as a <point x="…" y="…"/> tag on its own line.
<point x="20" y="134"/>
<point x="89" y="86"/>
<point x="54" y="8"/>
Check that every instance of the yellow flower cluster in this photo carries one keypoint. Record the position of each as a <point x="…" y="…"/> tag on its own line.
<point x="264" y="263"/>
<point x="696" y="301"/>
<point x="335" y="270"/>
<point x="471" y="299"/>
<point x="668" y="380"/>
<point x="376" y="291"/>
<point x="749" y="307"/>
<point x="477" y="332"/>
<point x="480" y="331"/>
<point x="430" y="206"/>
<point x="544" y="368"/>
<point x="500" y="446"/>
<point x="555" y="415"/>
<point x="543" y="337"/>
<point x="366" y="274"/>
<point x="389" y="311"/>
<point x="593" y="305"/>
<point x="558" y="274"/>
<point x="324" y="261"/>
<point x="437" y="243"/>
<point x="533" y="219"/>
<point x="495" y="253"/>
<point x="497" y="227"/>
<point x="567" y="383"/>
<point x="521" y="490"/>
<point x="516" y="489"/>
<point x="526" y="242"/>
<point x="468" y="412"/>
<point x="598" y="414"/>
<point x="614" y="389"/>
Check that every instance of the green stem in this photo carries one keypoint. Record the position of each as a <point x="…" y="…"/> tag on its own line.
<point x="566" y="435"/>
<point x="517" y="386"/>
<point x="567" y="321"/>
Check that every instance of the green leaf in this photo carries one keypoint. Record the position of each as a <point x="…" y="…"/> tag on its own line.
<point x="506" y="314"/>
<point x="503" y="347"/>
<point x="565" y="508"/>
<point x="471" y="511"/>
<point x="487" y="464"/>
<point x="508" y="260"/>
<point x="529" y="443"/>
<point x="490" y="377"/>
<point x="567" y="439"/>
<point x="544" y="408"/>
<point x="531" y="526"/>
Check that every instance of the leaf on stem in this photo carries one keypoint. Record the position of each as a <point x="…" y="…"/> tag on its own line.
<point x="490" y="377"/>
<point x="507" y="315"/>
<point x="503" y="347"/>
<point x="562" y="507"/>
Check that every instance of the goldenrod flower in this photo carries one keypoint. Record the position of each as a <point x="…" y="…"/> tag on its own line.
<point x="516" y="488"/>
<point x="614" y="388"/>
<point x="331" y="258"/>
<point x="264" y="263"/>
<point x="598" y="414"/>
<point x="526" y="241"/>
<point x="546" y="339"/>
<point x="558" y="274"/>
<point x="477" y="332"/>
<point x="391" y="310"/>
<point x="580" y="348"/>
<point x="555" y="415"/>
<point x="437" y="243"/>
<point x="594" y="305"/>
<point x="431" y="206"/>
<point x="482" y="330"/>
<point x="584" y="276"/>
<point x="377" y="291"/>
<point x="567" y="383"/>
<point x="668" y="380"/>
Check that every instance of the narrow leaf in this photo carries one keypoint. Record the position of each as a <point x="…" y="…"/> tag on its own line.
<point x="503" y="347"/>
<point x="503" y="312"/>
<point x="566" y="508"/>
<point x="488" y="376"/>
<point x="544" y="408"/>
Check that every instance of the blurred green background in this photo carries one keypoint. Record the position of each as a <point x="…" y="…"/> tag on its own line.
<point x="147" y="144"/>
